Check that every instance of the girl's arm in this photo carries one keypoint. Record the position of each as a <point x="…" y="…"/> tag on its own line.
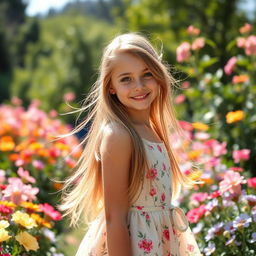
<point x="115" y="153"/>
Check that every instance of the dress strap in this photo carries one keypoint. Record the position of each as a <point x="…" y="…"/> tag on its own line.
<point x="177" y="214"/>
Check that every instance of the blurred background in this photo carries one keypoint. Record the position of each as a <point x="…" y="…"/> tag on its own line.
<point x="50" y="52"/>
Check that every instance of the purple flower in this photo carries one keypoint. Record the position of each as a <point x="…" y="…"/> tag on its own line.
<point x="198" y="228"/>
<point x="253" y="240"/>
<point x="231" y="240"/>
<point x="210" y="249"/>
<point x="243" y="220"/>
<point x="214" y="230"/>
<point x="230" y="227"/>
<point x="213" y="203"/>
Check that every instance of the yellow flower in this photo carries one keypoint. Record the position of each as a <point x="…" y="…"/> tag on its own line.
<point x="194" y="154"/>
<point x="23" y="219"/>
<point x="3" y="235"/>
<point x="29" y="242"/>
<point x="4" y="224"/>
<point x="30" y="206"/>
<point x="195" y="175"/>
<point x="7" y="203"/>
<point x="6" y="143"/>
<point x="200" y="126"/>
<point x="234" y="116"/>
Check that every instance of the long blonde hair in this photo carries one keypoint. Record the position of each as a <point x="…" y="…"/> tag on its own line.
<point x="82" y="193"/>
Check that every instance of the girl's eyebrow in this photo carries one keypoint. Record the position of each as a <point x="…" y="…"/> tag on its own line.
<point x="123" y="74"/>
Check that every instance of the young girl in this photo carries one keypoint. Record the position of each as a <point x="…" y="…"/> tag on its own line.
<point x="128" y="174"/>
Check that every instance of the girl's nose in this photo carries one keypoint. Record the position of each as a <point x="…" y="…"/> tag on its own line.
<point x="139" y="83"/>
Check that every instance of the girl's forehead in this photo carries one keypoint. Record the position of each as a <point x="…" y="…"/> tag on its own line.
<point x="127" y="62"/>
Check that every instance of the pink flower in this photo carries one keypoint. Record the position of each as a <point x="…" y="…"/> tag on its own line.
<point x="240" y="42"/>
<point x="243" y="154"/>
<point x="17" y="192"/>
<point x="186" y="125"/>
<point x="193" y="31"/>
<point x="230" y="65"/>
<point x="16" y="101"/>
<point x="163" y="197"/>
<point x="199" y="197"/>
<point x="152" y="173"/>
<point x="236" y="169"/>
<point x="185" y="85"/>
<point x="180" y="98"/>
<point x="152" y="192"/>
<point x="194" y="215"/>
<point x="183" y="52"/>
<point x="201" y="136"/>
<point x="69" y="96"/>
<point x="252" y="182"/>
<point x="198" y="44"/>
<point x="231" y="182"/>
<point x="49" y="211"/>
<point x="250" y="45"/>
<point x="25" y="176"/>
<point x="53" y="113"/>
<point x="166" y="234"/>
<point x="159" y="148"/>
<point x="38" y="164"/>
<point x="246" y="28"/>
<point x="2" y="176"/>
<point x="146" y="245"/>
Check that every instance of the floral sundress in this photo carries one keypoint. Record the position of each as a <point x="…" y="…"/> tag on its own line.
<point x="156" y="226"/>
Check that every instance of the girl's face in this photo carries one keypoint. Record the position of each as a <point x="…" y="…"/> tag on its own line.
<point x="133" y="83"/>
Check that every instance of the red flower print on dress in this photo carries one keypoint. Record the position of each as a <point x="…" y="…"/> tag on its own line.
<point x="163" y="197"/>
<point x="150" y="147"/>
<point x="164" y="167"/>
<point x="159" y="148"/>
<point x="139" y="207"/>
<point x="152" y="192"/>
<point x="166" y="234"/>
<point x="152" y="173"/>
<point x="190" y="247"/>
<point x="146" y="245"/>
<point x="174" y="231"/>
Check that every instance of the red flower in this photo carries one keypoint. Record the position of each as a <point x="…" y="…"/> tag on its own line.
<point x="252" y="182"/>
<point x="152" y="173"/>
<point x="146" y="245"/>
<point x="159" y="148"/>
<point x="5" y="209"/>
<point x="152" y="192"/>
<point x="194" y="215"/>
<point x="190" y="247"/>
<point x="214" y="194"/>
<point x="166" y="234"/>
<point x="49" y="211"/>
<point x="163" y="197"/>
<point x="139" y="207"/>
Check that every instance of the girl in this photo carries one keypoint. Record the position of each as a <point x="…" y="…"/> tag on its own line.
<point x="128" y="173"/>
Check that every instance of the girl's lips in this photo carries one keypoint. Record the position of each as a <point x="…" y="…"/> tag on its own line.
<point x="141" y="98"/>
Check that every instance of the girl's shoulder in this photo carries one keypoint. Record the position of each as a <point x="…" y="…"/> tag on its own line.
<point x="115" y="133"/>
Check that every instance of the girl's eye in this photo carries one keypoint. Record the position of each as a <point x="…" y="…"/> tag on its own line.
<point x="125" y="79"/>
<point x="148" y="74"/>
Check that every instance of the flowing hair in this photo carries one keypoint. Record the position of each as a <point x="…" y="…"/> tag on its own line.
<point x="82" y="193"/>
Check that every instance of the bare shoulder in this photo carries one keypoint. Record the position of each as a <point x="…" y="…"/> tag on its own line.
<point x="115" y="135"/>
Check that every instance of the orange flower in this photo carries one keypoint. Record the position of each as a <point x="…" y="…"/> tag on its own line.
<point x="43" y="152"/>
<point x="194" y="154"/>
<point x="208" y="181"/>
<point x="240" y="79"/>
<point x="9" y="204"/>
<point x="234" y="116"/>
<point x="13" y="157"/>
<point x="57" y="186"/>
<point x="6" y="143"/>
<point x="23" y="145"/>
<point x="41" y="221"/>
<point x="200" y="126"/>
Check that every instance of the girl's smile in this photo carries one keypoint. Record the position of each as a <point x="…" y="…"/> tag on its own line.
<point x="133" y="83"/>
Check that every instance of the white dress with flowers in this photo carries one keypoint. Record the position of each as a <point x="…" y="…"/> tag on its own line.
<point x="156" y="227"/>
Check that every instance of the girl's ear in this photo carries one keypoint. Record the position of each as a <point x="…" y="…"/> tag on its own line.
<point x="112" y="91"/>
